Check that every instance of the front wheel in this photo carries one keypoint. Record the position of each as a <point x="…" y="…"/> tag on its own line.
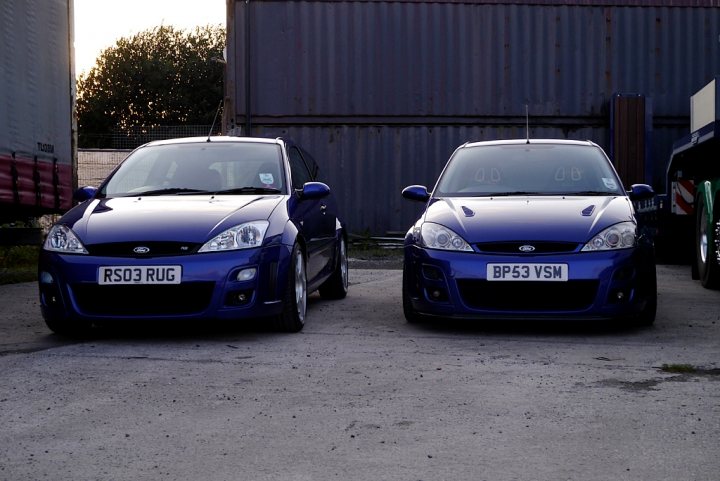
<point x="336" y="287"/>
<point x="292" y="318"/>
<point x="707" y="247"/>
<point x="411" y="315"/>
<point x="647" y="315"/>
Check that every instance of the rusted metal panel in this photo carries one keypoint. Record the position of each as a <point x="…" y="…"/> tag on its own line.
<point x="629" y="139"/>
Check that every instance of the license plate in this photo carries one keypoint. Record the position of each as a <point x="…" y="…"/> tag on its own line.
<point x="527" y="272"/>
<point x="139" y="275"/>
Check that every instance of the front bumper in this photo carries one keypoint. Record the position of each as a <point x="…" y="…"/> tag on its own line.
<point x="600" y="285"/>
<point x="209" y="289"/>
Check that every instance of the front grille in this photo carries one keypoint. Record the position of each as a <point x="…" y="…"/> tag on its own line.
<point x="150" y="249"/>
<point x="143" y="300"/>
<point x="539" y="247"/>
<point x="528" y="296"/>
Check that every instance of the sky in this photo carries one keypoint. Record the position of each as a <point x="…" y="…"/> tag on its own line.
<point x="100" y="23"/>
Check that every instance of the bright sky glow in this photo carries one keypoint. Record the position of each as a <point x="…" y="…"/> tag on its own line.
<point x="100" y="23"/>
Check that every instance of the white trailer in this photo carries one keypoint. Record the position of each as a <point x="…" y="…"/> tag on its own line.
<point x="37" y="99"/>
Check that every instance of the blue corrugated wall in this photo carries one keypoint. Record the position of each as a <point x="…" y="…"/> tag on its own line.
<point x="383" y="92"/>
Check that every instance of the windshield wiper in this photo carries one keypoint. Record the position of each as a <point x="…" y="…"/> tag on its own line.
<point x="591" y="192"/>
<point x="510" y="194"/>
<point x="579" y="193"/>
<point x="248" y="190"/>
<point x="170" y="191"/>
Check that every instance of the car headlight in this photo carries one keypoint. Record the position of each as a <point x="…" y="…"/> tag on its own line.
<point x="243" y="236"/>
<point x="436" y="236"/>
<point x="62" y="239"/>
<point x="618" y="236"/>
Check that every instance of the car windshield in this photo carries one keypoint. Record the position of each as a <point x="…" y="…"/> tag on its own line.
<point x="528" y="169"/>
<point x="203" y="167"/>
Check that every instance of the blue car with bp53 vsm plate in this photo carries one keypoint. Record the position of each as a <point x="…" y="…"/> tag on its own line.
<point x="529" y="229"/>
<point x="194" y="229"/>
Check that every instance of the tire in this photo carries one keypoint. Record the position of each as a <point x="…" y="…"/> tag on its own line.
<point x="646" y="317"/>
<point x="69" y="328"/>
<point x="411" y="315"/>
<point x="336" y="287"/>
<point x="292" y="318"/>
<point x="706" y="246"/>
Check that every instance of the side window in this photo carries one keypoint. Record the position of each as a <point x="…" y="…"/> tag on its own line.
<point x="312" y="165"/>
<point x="298" y="169"/>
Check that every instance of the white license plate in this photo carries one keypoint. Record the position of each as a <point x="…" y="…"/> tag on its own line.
<point x="527" y="272"/>
<point x="139" y="275"/>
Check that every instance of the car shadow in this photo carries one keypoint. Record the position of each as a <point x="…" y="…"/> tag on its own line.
<point x="543" y="327"/>
<point x="182" y="330"/>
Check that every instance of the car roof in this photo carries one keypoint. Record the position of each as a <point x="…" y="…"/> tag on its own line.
<point x="530" y="141"/>
<point x="217" y="138"/>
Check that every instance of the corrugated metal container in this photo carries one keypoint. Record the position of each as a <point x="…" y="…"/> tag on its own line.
<point x="382" y="92"/>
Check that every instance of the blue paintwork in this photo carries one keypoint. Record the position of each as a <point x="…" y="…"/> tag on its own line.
<point x="533" y="218"/>
<point x="187" y="218"/>
<point x="307" y="217"/>
<point x="527" y="219"/>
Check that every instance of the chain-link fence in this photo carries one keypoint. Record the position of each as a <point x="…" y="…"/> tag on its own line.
<point x="135" y="136"/>
<point x="95" y="164"/>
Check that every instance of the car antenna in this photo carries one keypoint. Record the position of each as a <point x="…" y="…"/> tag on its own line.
<point x="214" y="120"/>
<point x="527" y="123"/>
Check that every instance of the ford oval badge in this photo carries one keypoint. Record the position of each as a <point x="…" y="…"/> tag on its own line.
<point x="141" y="250"/>
<point x="527" y="248"/>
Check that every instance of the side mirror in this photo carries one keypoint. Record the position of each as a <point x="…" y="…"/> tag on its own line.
<point x="314" y="190"/>
<point x="84" y="193"/>
<point x="641" y="192"/>
<point x="416" y="192"/>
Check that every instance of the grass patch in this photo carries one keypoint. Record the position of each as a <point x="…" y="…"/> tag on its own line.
<point x="370" y="251"/>
<point x="679" y="368"/>
<point x="366" y="247"/>
<point x="18" y="264"/>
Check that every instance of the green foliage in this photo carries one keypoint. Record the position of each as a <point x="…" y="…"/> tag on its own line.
<point x="161" y="76"/>
<point x="18" y="263"/>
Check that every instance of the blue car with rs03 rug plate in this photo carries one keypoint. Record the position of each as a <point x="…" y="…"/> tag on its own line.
<point x="529" y="229"/>
<point x="193" y="229"/>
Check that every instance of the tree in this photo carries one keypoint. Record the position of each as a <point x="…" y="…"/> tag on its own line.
<point x="158" y="77"/>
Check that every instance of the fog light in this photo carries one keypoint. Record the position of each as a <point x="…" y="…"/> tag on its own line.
<point x="437" y="294"/>
<point x="619" y="296"/>
<point x="247" y="274"/>
<point x="46" y="278"/>
<point x="239" y="298"/>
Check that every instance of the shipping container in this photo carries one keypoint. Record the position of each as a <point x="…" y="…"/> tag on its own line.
<point x="37" y="92"/>
<point x="383" y="91"/>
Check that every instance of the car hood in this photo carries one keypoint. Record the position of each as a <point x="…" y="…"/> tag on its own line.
<point x="176" y="218"/>
<point x="553" y="218"/>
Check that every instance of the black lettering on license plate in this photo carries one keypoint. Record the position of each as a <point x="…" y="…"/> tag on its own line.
<point x="526" y="272"/>
<point x="139" y="275"/>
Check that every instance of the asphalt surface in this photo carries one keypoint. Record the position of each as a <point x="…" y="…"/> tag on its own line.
<point x="361" y="395"/>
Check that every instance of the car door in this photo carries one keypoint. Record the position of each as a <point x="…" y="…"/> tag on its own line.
<point x="315" y="218"/>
